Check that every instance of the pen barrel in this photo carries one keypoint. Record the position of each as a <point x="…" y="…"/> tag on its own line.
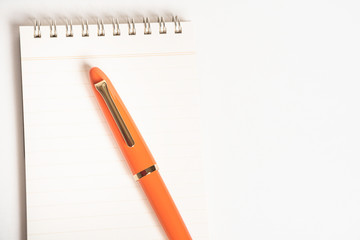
<point x="164" y="206"/>
<point x="138" y="156"/>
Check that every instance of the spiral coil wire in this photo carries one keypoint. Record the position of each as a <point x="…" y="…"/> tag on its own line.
<point x="178" y="28"/>
<point x="53" y="32"/>
<point x="69" y="28"/>
<point x="132" y="29"/>
<point x="162" y="27"/>
<point x="85" y="28"/>
<point x="101" y="29"/>
<point x="116" y="27"/>
<point x="147" y="28"/>
<point x="37" y="31"/>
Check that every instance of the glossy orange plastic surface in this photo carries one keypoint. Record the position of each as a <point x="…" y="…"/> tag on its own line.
<point x="139" y="158"/>
<point x="164" y="206"/>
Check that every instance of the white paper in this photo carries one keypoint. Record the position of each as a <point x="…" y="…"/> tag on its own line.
<point x="78" y="184"/>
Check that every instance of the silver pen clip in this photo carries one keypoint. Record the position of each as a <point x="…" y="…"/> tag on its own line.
<point x="104" y="91"/>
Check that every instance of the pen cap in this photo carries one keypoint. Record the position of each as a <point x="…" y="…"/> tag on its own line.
<point x="127" y="135"/>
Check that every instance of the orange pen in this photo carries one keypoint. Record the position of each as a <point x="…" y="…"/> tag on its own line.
<point x="138" y="156"/>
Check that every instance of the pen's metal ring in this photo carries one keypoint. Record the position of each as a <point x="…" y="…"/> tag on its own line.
<point x="37" y="32"/>
<point x="85" y="28"/>
<point x="69" y="28"/>
<point x="145" y="172"/>
<point x="53" y="32"/>
<point x="147" y="29"/>
<point x="178" y="28"/>
<point x="162" y="27"/>
<point x="132" y="29"/>
<point x="100" y="26"/>
<point x="116" y="27"/>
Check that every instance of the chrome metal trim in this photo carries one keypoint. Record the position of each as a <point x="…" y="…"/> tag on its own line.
<point x="145" y="172"/>
<point x="104" y="91"/>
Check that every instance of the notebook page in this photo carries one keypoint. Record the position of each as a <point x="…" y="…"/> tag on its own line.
<point x="78" y="184"/>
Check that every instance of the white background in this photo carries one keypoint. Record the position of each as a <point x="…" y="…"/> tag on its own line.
<point x="281" y="95"/>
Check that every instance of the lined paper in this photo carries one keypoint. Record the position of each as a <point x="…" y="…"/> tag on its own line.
<point x="78" y="184"/>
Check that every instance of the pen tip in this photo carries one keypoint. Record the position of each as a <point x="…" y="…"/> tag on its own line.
<point x="96" y="75"/>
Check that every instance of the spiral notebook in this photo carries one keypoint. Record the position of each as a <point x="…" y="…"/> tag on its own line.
<point x="78" y="185"/>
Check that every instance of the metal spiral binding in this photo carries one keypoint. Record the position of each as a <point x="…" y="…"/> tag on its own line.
<point x="100" y="25"/>
<point x="85" y="28"/>
<point x="37" y="32"/>
<point x="132" y="29"/>
<point x="147" y="29"/>
<point x="116" y="27"/>
<point x="101" y="29"/>
<point x="162" y="27"/>
<point x="69" y="29"/>
<point x="53" y="32"/>
<point x="178" y="28"/>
